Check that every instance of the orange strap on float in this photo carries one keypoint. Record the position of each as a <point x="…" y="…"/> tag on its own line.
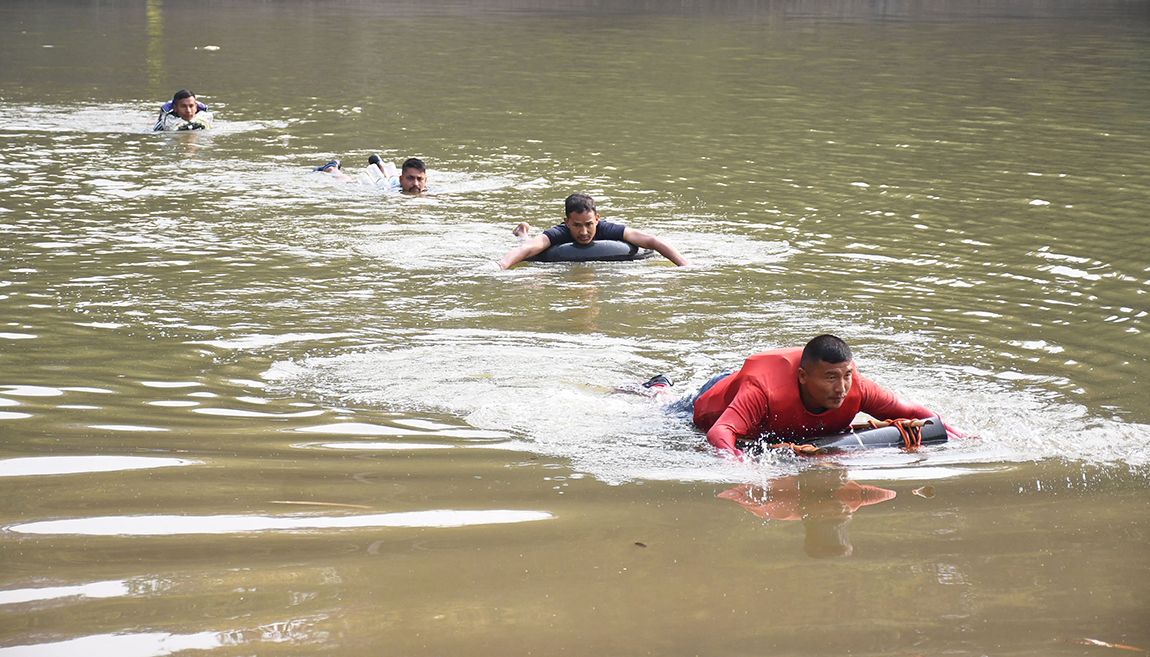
<point x="910" y="430"/>
<point x="800" y="450"/>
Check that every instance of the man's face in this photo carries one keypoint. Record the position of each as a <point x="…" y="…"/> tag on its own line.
<point x="413" y="181"/>
<point x="824" y="386"/>
<point x="185" y="108"/>
<point x="582" y="225"/>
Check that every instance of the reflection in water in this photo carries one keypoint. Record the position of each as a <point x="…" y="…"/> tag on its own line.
<point x="823" y="498"/>
<point x="32" y="391"/>
<point x="122" y="645"/>
<point x="155" y="54"/>
<point x="375" y="446"/>
<point x="580" y="300"/>
<point x="128" y="428"/>
<point x="169" y="384"/>
<point x="238" y="524"/>
<point x="107" y="589"/>
<point x="233" y="412"/>
<point x="55" y="465"/>
<point x="258" y="341"/>
<point x="920" y="472"/>
<point x="359" y="429"/>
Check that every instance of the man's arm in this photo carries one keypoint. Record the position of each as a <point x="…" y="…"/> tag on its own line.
<point x="529" y="248"/>
<point x="723" y="438"/>
<point x="883" y="404"/>
<point x="645" y="241"/>
<point x="743" y="415"/>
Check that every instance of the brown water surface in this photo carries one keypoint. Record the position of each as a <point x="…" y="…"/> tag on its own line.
<point x="245" y="409"/>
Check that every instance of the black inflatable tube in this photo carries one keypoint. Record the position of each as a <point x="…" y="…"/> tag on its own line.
<point x="933" y="432"/>
<point x="602" y="251"/>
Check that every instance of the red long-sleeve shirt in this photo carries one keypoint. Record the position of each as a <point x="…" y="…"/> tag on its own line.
<point x="763" y="398"/>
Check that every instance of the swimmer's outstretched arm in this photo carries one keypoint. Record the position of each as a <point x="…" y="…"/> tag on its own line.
<point x="722" y="438"/>
<point x="883" y="404"/>
<point x="529" y="248"/>
<point x="645" y="241"/>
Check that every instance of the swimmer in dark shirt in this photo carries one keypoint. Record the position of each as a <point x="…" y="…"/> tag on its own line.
<point x="581" y="225"/>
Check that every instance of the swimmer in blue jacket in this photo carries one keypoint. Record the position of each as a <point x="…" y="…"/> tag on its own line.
<point x="183" y="112"/>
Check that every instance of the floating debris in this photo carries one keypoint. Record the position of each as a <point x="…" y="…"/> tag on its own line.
<point x="925" y="491"/>
<point x="640" y="544"/>
<point x="208" y="48"/>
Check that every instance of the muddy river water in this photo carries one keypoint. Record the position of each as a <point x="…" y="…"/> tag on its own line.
<point x="248" y="410"/>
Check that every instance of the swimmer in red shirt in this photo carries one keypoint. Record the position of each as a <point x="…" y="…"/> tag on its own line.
<point x="793" y="394"/>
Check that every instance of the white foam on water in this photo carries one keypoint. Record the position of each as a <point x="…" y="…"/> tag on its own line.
<point x="556" y="393"/>
<point x="1012" y="419"/>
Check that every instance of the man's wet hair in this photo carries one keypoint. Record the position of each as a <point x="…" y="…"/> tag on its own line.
<point x="825" y="347"/>
<point x="180" y="95"/>
<point x="413" y="163"/>
<point x="578" y="203"/>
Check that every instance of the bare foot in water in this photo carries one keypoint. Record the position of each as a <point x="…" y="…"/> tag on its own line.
<point x="521" y="230"/>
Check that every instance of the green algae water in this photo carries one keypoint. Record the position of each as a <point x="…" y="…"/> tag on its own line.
<point x="246" y="409"/>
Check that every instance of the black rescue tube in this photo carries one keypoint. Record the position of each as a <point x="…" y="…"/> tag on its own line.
<point x="933" y="432"/>
<point x="605" y="250"/>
